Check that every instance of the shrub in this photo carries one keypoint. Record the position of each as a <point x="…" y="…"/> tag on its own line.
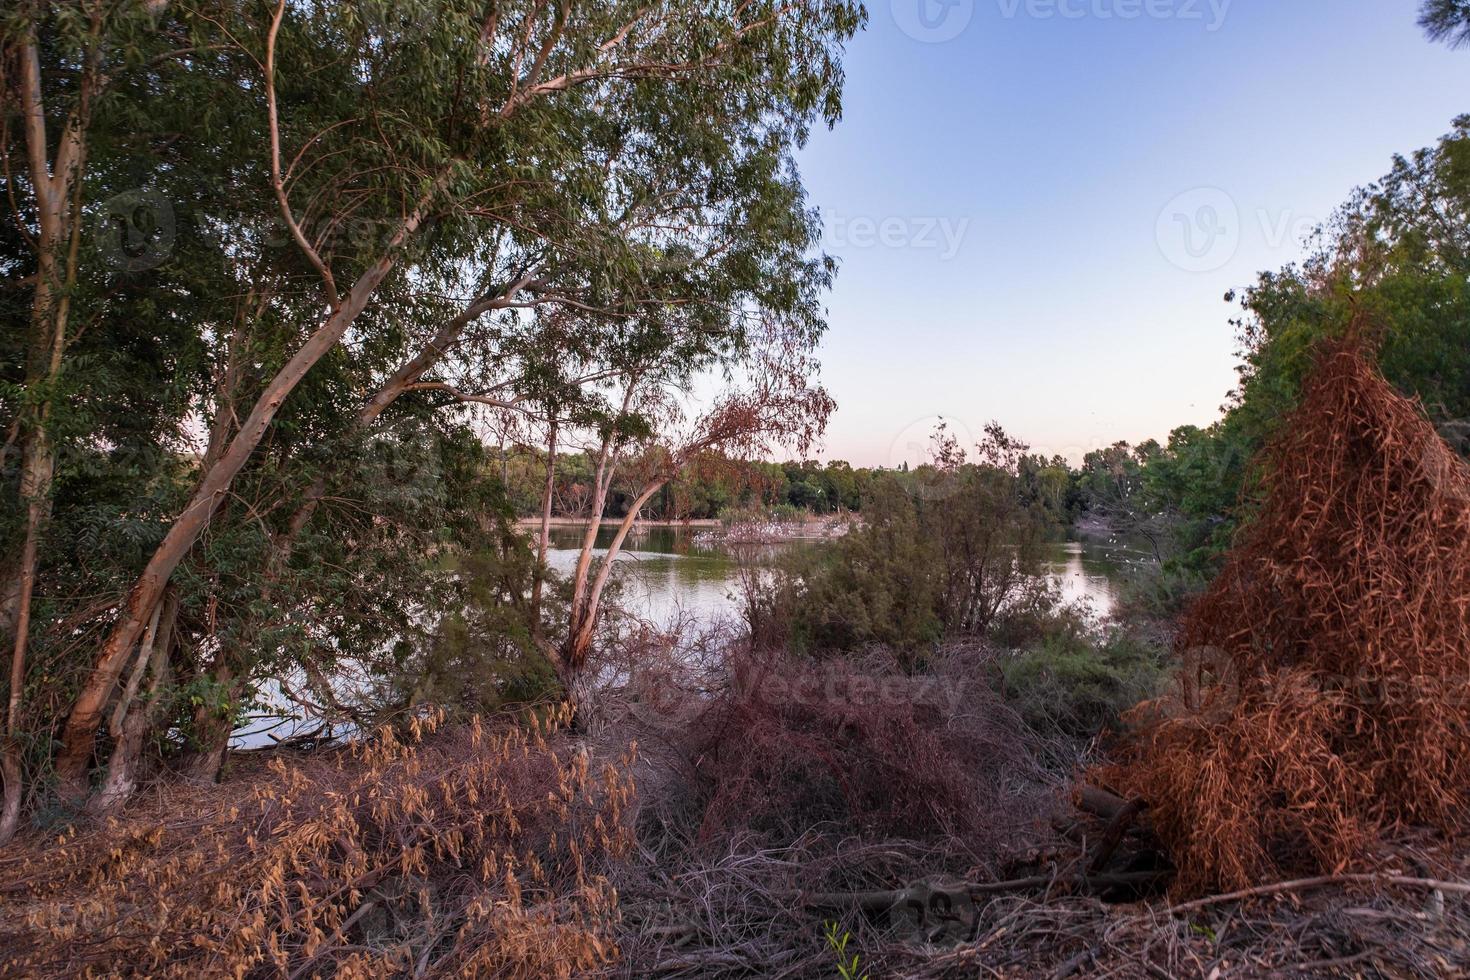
<point x="940" y="553"/>
<point x="1328" y="700"/>
<point x="864" y="749"/>
<point x="1079" y="685"/>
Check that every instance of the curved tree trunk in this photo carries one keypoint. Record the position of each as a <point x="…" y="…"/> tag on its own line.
<point x="80" y="731"/>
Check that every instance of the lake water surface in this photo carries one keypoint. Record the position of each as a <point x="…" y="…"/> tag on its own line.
<point x="665" y="570"/>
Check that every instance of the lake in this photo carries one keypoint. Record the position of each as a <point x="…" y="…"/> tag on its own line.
<point x="665" y="570"/>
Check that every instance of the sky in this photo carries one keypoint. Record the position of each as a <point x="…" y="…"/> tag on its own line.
<point x="1039" y="205"/>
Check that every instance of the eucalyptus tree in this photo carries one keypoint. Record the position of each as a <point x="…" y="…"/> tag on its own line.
<point x="679" y="197"/>
<point x="430" y="163"/>
<point x="769" y="400"/>
<point x="98" y="380"/>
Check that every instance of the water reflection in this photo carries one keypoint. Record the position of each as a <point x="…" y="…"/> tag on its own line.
<point x="666" y="570"/>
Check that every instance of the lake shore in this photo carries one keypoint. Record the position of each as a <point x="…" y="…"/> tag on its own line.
<point x="612" y="522"/>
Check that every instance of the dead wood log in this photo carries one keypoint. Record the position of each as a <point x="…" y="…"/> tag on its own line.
<point x="1097" y="801"/>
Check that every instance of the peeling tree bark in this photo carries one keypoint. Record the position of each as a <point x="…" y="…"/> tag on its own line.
<point x="131" y="721"/>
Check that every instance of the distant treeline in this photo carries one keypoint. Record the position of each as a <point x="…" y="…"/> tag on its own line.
<point x="1393" y="264"/>
<point x="719" y="487"/>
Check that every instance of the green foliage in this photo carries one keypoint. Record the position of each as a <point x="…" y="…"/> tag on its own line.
<point x="1077" y="683"/>
<point x="847" y="963"/>
<point x="874" y="585"/>
<point x="941" y="551"/>
<point x="371" y="558"/>
<point x="1394" y="262"/>
<point x="481" y="656"/>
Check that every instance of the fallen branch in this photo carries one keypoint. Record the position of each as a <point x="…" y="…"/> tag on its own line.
<point x="875" y="901"/>
<point x="1302" y="884"/>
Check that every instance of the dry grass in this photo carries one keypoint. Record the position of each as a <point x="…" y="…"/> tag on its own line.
<point x="1326" y="696"/>
<point x="1341" y="931"/>
<point x="473" y="852"/>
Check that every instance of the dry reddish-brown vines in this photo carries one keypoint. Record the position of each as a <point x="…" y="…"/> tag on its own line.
<point x="1329" y="690"/>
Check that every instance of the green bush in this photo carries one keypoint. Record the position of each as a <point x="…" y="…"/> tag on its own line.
<point x="1077" y="685"/>
<point x="941" y="553"/>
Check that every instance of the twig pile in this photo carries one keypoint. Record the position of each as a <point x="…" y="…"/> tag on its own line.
<point x="1327" y="669"/>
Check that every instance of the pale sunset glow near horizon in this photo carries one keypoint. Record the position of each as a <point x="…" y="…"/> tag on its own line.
<point x="1038" y="206"/>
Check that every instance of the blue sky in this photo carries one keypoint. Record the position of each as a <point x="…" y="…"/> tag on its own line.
<point x="1037" y="218"/>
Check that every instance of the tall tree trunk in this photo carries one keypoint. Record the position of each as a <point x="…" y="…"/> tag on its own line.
<point x="11" y="762"/>
<point x="572" y="661"/>
<point x="56" y="185"/>
<point x="80" y="731"/>
<point x="543" y="535"/>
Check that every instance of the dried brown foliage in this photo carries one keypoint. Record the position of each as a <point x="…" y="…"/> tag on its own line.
<point x="1325" y="694"/>
<point x="860" y="747"/>
<point x="767" y="779"/>
<point x="474" y="852"/>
